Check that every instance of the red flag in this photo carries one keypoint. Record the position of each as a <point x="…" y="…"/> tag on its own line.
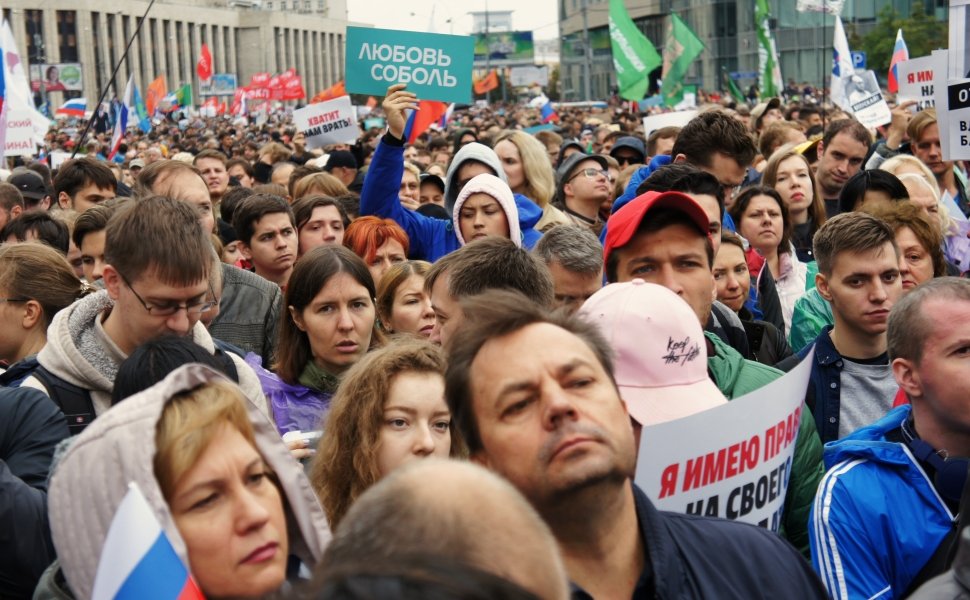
<point x="204" y="68"/>
<point x="293" y="88"/>
<point x="334" y="91"/>
<point x="259" y="80"/>
<point x="275" y="88"/>
<point x="429" y="111"/>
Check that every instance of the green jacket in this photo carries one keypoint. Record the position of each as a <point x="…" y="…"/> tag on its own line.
<point x="812" y="314"/>
<point x="735" y="376"/>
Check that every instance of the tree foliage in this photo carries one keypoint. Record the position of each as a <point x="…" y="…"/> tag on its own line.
<point x="923" y="33"/>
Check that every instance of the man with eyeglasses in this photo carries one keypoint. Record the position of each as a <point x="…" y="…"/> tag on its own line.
<point x="584" y="184"/>
<point x="156" y="279"/>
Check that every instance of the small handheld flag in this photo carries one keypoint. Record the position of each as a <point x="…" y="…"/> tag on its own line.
<point x="137" y="560"/>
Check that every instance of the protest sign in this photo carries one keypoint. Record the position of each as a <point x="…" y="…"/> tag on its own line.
<point x="331" y="122"/>
<point x="672" y="119"/>
<point x="58" y="158"/>
<point x="20" y="135"/>
<point x="916" y="81"/>
<point x="732" y="461"/>
<point x="864" y="99"/>
<point x="434" y="66"/>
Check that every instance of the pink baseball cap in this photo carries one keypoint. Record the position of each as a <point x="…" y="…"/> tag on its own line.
<point x="660" y="350"/>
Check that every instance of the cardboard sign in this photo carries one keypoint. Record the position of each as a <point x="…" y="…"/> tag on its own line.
<point x="671" y="119"/>
<point x="529" y="75"/>
<point x="324" y="123"/>
<point x="434" y="66"/>
<point x="20" y="135"/>
<point x="916" y="83"/>
<point x="732" y="461"/>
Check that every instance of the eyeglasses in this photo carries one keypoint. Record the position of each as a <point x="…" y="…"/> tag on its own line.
<point x="592" y="173"/>
<point x="730" y="190"/>
<point x="169" y="309"/>
<point x="628" y="160"/>
<point x="14" y="299"/>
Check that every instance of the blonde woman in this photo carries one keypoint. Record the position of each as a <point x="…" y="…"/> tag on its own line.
<point x="527" y="168"/>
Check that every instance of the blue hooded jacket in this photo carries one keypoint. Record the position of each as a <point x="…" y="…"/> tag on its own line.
<point x="877" y="518"/>
<point x="430" y="238"/>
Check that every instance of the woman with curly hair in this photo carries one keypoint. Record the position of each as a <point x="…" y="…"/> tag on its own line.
<point x="389" y="410"/>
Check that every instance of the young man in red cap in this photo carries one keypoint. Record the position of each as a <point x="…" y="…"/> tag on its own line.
<point x="663" y="238"/>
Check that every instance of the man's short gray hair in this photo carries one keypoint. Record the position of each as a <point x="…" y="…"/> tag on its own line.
<point x="575" y="248"/>
<point x="909" y="325"/>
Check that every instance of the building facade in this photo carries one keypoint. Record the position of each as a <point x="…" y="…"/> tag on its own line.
<point x="804" y="40"/>
<point x="243" y="40"/>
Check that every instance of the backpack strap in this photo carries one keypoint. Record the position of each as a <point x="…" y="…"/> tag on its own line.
<point x="223" y="354"/>
<point x="75" y="402"/>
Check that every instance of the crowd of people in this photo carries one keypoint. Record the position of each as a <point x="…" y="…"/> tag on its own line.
<point x="265" y="338"/>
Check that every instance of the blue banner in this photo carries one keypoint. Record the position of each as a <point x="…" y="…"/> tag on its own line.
<point x="434" y="66"/>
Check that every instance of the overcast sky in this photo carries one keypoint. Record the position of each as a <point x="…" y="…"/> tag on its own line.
<point x="538" y="16"/>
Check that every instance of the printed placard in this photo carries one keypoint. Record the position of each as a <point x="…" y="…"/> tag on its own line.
<point x="864" y="98"/>
<point x="916" y="81"/>
<point x="732" y="461"/>
<point x="434" y="66"/>
<point x="331" y="122"/>
<point x="19" y="139"/>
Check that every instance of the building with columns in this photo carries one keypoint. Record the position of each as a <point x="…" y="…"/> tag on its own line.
<point x="242" y="40"/>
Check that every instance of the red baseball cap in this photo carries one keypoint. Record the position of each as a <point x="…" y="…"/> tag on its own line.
<point x="625" y="222"/>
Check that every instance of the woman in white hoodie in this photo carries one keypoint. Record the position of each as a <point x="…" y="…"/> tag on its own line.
<point x="486" y="207"/>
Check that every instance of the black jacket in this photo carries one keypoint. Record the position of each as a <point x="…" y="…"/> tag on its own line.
<point x="766" y="344"/>
<point x="31" y="425"/>
<point x="699" y="557"/>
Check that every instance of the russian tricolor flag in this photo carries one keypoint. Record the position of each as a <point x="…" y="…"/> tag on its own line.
<point x="75" y="107"/>
<point x="548" y="114"/>
<point x="137" y="560"/>
<point x="900" y="54"/>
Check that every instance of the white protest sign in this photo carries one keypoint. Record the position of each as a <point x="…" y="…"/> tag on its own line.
<point x="58" y="158"/>
<point x="916" y="81"/>
<point x="20" y="134"/>
<point x="331" y="122"/>
<point x="939" y="100"/>
<point x="732" y="461"/>
<point x="864" y="99"/>
<point x="672" y="119"/>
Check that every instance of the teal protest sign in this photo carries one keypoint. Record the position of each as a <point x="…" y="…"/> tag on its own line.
<point x="434" y="66"/>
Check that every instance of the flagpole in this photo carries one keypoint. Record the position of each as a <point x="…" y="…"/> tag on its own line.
<point x="112" y="78"/>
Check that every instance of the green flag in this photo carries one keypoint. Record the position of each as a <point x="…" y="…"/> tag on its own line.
<point x="769" y="72"/>
<point x="732" y="87"/>
<point x="682" y="47"/>
<point x="184" y="95"/>
<point x="634" y="56"/>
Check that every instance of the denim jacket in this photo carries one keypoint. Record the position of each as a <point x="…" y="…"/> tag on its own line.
<point x="824" y="386"/>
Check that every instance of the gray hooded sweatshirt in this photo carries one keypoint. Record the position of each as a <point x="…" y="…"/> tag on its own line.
<point x="92" y="478"/>
<point x="79" y="352"/>
<point x="474" y="151"/>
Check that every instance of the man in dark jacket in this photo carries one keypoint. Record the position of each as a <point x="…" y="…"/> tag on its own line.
<point x="31" y="425"/>
<point x="535" y="398"/>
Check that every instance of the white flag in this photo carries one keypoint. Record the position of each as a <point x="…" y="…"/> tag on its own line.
<point x="842" y="68"/>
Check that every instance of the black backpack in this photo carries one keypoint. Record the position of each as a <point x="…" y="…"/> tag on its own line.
<point x="75" y="402"/>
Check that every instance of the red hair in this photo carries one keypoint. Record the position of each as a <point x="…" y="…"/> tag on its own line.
<point x="366" y="234"/>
